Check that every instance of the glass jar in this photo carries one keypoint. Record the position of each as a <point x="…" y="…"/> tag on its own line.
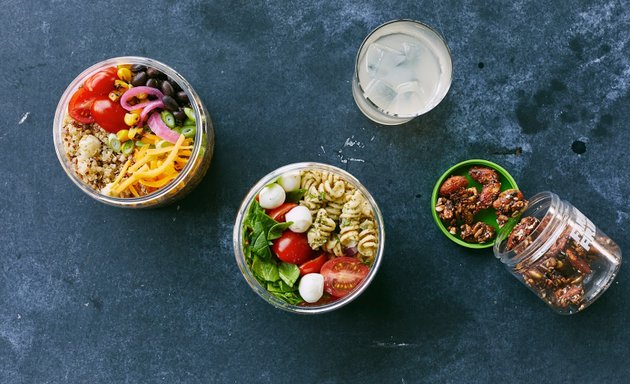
<point x="239" y="241"/>
<point x="559" y="254"/>
<point x="190" y="175"/>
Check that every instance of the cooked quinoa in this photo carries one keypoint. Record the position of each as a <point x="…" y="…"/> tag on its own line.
<point x="86" y="147"/>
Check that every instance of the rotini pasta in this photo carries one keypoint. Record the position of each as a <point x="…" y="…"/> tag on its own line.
<point x="312" y="200"/>
<point x="311" y="178"/>
<point x="321" y="230"/>
<point x="333" y="246"/>
<point x="368" y="240"/>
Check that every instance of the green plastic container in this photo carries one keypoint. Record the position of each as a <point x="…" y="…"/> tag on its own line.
<point x="488" y="216"/>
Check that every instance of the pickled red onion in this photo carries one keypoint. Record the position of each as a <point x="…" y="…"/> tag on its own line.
<point x="135" y="91"/>
<point x="148" y="108"/>
<point x="160" y="129"/>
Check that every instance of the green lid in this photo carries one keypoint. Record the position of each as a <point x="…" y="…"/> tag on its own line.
<point x="488" y="216"/>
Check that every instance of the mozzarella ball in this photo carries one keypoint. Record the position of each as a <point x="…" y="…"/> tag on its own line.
<point x="272" y="196"/>
<point x="290" y="181"/>
<point x="312" y="287"/>
<point x="301" y="218"/>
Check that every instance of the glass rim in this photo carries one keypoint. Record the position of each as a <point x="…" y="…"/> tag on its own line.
<point x="61" y="112"/>
<point x="403" y="117"/>
<point x="237" y="240"/>
<point x="551" y="208"/>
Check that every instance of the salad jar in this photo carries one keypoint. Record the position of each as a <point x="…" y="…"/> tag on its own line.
<point x="321" y="304"/>
<point x="559" y="254"/>
<point x="200" y="152"/>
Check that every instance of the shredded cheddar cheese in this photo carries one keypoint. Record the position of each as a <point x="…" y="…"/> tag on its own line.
<point x="152" y="168"/>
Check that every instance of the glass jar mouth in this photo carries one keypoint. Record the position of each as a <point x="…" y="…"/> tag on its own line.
<point x="550" y="211"/>
<point x="148" y="200"/>
<point x="403" y="117"/>
<point x="237" y="240"/>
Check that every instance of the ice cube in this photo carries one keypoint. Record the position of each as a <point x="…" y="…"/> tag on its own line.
<point x="381" y="58"/>
<point x="380" y="93"/>
<point x="410" y="97"/>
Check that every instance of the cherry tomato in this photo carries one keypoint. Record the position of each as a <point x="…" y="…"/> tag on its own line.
<point x="79" y="106"/>
<point x="278" y="213"/>
<point x="292" y="248"/>
<point x="342" y="275"/>
<point x="101" y="83"/>
<point x="315" y="265"/>
<point x="108" y="114"/>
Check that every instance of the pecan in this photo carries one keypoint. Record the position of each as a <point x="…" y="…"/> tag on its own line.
<point x="478" y="233"/>
<point x="453" y="185"/>
<point x="521" y="231"/>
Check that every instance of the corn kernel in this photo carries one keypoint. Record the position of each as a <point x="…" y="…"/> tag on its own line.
<point x="120" y="85"/>
<point x="114" y="95"/>
<point x="124" y="74"/>
<point x="141" y="96"/>
<point x="128" y="66"/>
<point x="122" y="135"/>
<point x="132" y="133"/>
<point x="131" y="119"/>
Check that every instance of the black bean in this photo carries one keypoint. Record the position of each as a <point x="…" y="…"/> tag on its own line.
<point x="153" y="83"/>
<point x="138" y="68"/>
<point x="182" y="97"/>
<point x="176" y="86"/>
<point x="170" y="103"/>
<point x="180" y="116"/>
<point x="167" y="88"/>
<point x="139" y="79"/>
<point x="152" y="72"/>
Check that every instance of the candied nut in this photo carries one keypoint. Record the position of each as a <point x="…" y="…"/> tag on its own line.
<point x="509" y="203"/>
<point x="467" y="205"/>
<point x="453" y="185"/>
<point x="483" y="175"/>
<point x="478" y="233"/>
<point x="489" y="178"/>
<point x="446" y="211"/>
<point x="571" y="294"/>
<point x="577" y="261"/>
<point x="521" y="231"/>
<point x="489" y="193"/>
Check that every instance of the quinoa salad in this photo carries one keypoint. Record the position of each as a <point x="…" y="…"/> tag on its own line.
<point x="128" y="131"/>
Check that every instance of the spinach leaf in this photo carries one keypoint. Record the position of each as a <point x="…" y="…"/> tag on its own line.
<point x="265" y="270"/>
<point x="292" y="298"/>
<point x="289" y="273"/>
<point x="276" y="231"/>
<point x="295" y="196"/>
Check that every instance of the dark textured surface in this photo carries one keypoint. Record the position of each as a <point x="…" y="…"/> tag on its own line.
<point x="90" y="293"/>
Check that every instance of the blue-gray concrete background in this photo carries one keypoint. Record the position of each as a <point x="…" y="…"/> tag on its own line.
<point x="95" y="294"/>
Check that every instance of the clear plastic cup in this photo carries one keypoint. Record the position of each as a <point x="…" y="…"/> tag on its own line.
<point x="190" y="175"/>
<point x="238" y="237"/>
<point x="559" y="254"/>
<point x="403" y="70"/>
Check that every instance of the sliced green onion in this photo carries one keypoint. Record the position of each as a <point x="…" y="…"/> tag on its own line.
<point x="163" y="144"/>
<point x="190" y="113"/>
<point x="140" y="144"/>
<point x="178" y="130"/>
<point x="168" y="118"/>
<point x="113" y="142"/>
<point x="189" y="131"/>
<point x="127" y="147"/>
